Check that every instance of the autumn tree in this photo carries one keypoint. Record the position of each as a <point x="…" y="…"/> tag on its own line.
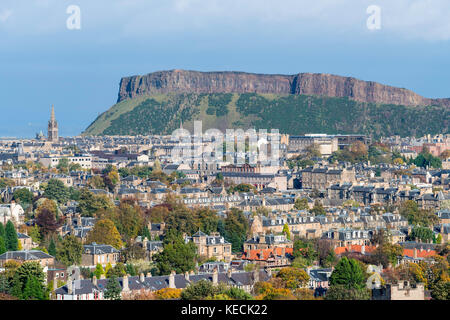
<point x="293" y="278"/>
<point x="47" y="222"/>
<point x="105" y="232"/>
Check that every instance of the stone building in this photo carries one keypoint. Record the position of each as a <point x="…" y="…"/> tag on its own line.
<point x="211" y="246"/>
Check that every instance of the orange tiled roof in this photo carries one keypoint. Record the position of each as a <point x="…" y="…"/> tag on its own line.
<point x="369" y="249"/>
<point x="354" y="248"/>
<point x="255" y="254"/>
<point x="420" y="253"/>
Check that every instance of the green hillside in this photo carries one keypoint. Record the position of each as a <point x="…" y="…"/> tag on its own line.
<point x="292" y="114"/>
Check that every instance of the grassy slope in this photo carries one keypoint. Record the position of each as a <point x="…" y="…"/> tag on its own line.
<point x="161" y="114"/>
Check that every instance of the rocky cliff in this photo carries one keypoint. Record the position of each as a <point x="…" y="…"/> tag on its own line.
<point x="182" y="81"/>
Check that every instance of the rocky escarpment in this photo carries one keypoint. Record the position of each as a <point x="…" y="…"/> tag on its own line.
<point x="182" y="81"/>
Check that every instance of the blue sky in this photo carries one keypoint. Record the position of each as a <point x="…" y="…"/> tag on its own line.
<point x="43" y="63"/>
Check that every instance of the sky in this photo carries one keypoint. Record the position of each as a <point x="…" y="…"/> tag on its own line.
<point x="46" y="59"/>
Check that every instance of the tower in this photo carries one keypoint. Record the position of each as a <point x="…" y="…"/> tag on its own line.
<point x="52" y="132"/>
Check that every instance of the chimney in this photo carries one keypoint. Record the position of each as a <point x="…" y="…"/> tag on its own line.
<point x="69" y="287"/>
<point x="141" y="277"/>
<point x="94" y="280"/>
<point x="55" y="284"/>
<point x="144" y="243"/>
<point x="415" y="253"/>
<point x="269" y="273"/>
<point x="229" y="273"/>
<point x="283" y="252"/>
<point x="186" y="276"/>
<point x="256" y="275"/>
<point x="125" y="286"/>
<point x="215" y="276"/>
<point x="363" y="249"/>
<point x="172" y="280"/>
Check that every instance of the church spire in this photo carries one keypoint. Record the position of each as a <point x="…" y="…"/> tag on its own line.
<point x="52" y="117"/>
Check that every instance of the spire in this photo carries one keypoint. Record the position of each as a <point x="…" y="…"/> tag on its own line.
<point x="181" y="124"/>
<point x="52" y="118"/>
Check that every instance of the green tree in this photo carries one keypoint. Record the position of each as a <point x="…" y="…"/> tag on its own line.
<point x="11" y="240"/>
<point x="52" y="248"/>
<point x="90" y="203"/>
<point x="23" y="196"/>
<point x="34" y="289"/>
<point x="99" y="271"/>
<point x="301" y="204"/>
<point x="199" y="290"/>
<point x="56" y="190"/>
<point x="22" y="275"/>
<point x="2" y="245"/>
<point x="2" y="230"/>
<point x="318" y="208"/>
<point x="422" y="234"/>
<point x="69" y="251"/>
<point x="176" y="255"/>
<point x="113" y="289"/>
<point x="342" y="292"/>
<point x="235" y="229"/>
<point x="286" y="231"/>
<point x="348" y="273"/>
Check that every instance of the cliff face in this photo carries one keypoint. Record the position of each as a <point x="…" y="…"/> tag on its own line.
<point x="179" y="81"/>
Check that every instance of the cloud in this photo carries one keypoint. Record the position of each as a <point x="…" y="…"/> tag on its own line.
<point x="5" y="14"/>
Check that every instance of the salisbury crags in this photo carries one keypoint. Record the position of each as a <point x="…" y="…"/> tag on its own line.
<point x="182" y="81"/>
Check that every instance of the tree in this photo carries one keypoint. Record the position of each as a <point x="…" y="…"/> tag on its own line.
<point x="34" y="290"/>
<point x="301" y="204"/>
<point x="52" y="248"/>
<point x="105" y="232"/>
<point x="318" y="208"/>
<point x="99" y="270"/>
<point x="176" y="255"/>
<point x="113" y="289"/>
<point x="128" y="220"/>
<point x="348" y="273"/>
<point x="422" y="234"/>
<point x="2" y="230"/>
<point x="286" y="231"/>
<point x="22" y="275"/>
<point x="132" y="251"/>
<point x="56" y="190"/>
<point x="235" y="229"/>
<point x="47" y="222"/>
<point x="342" y="292"/>
<point x="293" y="278"/>
<point x="416" y="216"/>
<point x="69" y="251"/>
<point x="117" y="271"/>
<point x="90" y="203"/>
<point x="441" y="290"/>
<point x="2" y="245"/>
<point x="199" y="290"/>
<point x="23" y="196"/>
<point x="11" y="240"/>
